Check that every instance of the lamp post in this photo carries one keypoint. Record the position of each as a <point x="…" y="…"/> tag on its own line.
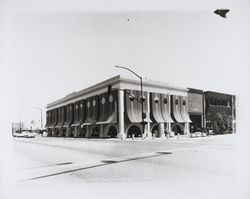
<point x="41" y="111"/>
<point x="141" y="100"/>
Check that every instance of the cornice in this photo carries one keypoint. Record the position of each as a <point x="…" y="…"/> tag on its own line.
<point x="102" y="85"/>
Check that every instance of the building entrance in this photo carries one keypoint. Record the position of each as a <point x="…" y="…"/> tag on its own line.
<point x="177" y="130"/>
<point x="134" y="130"/>
<point x="112" y="132"/>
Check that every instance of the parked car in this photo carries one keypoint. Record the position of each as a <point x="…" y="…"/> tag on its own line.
<point x="25" y="134"/>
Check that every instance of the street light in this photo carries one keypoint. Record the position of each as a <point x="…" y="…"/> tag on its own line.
<point x="142" y="99"/>
<point x="41" y="111"/>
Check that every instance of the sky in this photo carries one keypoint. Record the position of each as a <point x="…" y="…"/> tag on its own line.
<point x="51" y="48"/>
<point x="49" y="53"/>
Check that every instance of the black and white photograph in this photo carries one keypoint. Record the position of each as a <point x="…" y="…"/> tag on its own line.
<point x="124" y="99"/>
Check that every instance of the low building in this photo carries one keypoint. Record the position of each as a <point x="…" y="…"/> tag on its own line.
<point x="17" y="127"/>
<point x="220" y="112"/>
<point x="100" y="112"/>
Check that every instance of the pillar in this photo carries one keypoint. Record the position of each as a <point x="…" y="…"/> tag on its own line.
<point x="101" y="135"/>
<point x="161" y="129"/>
<point x="76" y="132"/>
<point x="186" y="129"/>
<point x="87" y="131"/>
<point x="148" y="133"/>
<point x="169" y="127"/>
<point x="121" y="133"/>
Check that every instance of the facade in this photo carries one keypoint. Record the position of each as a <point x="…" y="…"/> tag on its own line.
<point x="103" y="113"/>
<point x="220" y="112"/>
<point x="196" y="109"/>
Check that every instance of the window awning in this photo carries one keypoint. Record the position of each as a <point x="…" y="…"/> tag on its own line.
<point x="133" y="107"/>
<point x="156" y="108"/>
<point x="108" y="108"/>
<point x="177" y="109"/>
<point x="166" y="108"/>
<point x="184" y="109"/>
<point x="76" y="124"/>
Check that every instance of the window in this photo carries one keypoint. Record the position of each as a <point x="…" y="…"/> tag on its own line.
<point x="103" y="100"/>
<point x="111" y="98"/>
<point x="156" y="100"/>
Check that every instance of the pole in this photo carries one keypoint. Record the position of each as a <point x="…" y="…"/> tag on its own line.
<point x="41" y="112"/>
<point x="20" y="126"/>
<point x="143" y="129"/>
<point x="141" y="100"/>
<point x="41" y="119"/>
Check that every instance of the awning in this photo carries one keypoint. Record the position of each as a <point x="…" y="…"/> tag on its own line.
<point x="184" y="109"/>
<point x="156" y="108"/>
<point x="133" y="107"/>
<point x="166" y="108"/>
<point x="177" y="109"/>
<point x="86" y="124"/>
<point x="108" y="108"/>
<point x="91" y="110"/>
<point x="76" y="124"/>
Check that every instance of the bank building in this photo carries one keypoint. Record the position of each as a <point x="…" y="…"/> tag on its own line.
<point x="115" y="108"/>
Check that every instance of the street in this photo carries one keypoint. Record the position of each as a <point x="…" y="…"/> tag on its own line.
<point x="205" y="162"/>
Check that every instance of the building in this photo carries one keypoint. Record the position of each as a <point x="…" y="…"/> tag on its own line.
<point x="17" y="127"/>
<point x="220" y="112"/>
<point x="100" y="112"/>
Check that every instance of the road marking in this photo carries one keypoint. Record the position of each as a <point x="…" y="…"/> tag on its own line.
<point x="50" y="165"/>
<point x="98" y="164"/>
<point x="69" y="168"/>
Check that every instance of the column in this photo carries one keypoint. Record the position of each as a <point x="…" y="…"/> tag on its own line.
<point x="161" y="129"/>
<point x="148" y="133"/>
<point x="121" y="133"/>
<point x="169" y="126"/>
<point x="76" y="132"/>
<point x="87" y="131"/>
<point x="101" y="131"/>
<point x="186" y="129"/>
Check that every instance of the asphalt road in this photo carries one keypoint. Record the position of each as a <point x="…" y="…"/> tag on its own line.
<point x="201" y="164"/>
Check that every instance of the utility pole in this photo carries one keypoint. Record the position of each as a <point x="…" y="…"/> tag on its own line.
<point x="141" y="98"/>
<point x="41" y="112"/>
